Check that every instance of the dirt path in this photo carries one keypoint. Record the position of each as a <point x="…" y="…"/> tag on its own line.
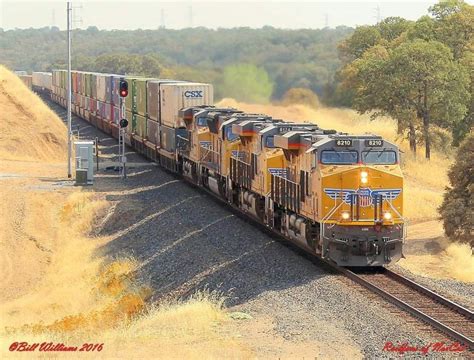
<point x="429" y="253"/>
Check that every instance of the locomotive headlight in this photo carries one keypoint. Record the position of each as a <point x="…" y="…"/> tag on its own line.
<point x="364" y="177"/>
<point x="345" y="215"/>
<point x="387" y="216"/>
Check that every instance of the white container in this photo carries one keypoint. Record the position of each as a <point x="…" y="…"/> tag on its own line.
<point x="101" y="83"/>
<point x="176" y="96"/>
<point x="42" y="80"/>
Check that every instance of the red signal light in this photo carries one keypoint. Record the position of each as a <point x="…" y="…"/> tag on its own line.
<point x="123" y="90"/>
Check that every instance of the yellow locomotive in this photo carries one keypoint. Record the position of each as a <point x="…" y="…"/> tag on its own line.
<point x="335" y="195"/>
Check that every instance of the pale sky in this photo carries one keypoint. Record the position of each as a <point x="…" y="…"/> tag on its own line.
<point x="211" y="14"/>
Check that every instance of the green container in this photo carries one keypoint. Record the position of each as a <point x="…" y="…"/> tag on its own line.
<point x="140" y="127"/>
<point x="130" y="100"/>
<point x="140" y="96"/>
<point x="132" y="120"/>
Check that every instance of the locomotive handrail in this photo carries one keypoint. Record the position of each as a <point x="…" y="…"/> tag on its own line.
<point x="208" y="150"/>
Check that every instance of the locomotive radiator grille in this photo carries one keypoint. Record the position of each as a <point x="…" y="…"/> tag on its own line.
<point x="285" y="193"/>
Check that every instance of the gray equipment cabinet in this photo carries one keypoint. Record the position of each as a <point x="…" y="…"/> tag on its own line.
<point x="84" y="162"/>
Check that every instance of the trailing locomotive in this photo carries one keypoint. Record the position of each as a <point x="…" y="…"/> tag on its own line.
<point x="335" y="195"/>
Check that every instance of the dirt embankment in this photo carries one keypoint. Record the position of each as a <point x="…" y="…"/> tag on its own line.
<point x="53" y="286"/>
<point x="29" y="130"/>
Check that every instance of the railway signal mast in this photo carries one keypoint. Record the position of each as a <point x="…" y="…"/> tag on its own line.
<point x="123" y="92"/>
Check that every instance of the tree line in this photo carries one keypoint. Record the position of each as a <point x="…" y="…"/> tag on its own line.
<point x="228" y="58"/>
<point x="418" y="72"/>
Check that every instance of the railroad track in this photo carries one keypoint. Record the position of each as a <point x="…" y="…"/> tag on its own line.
<point x="446" y="316"/>
<point x="442" y="314"/>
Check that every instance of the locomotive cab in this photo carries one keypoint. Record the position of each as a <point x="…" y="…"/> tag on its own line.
<point x="360" y="208"/>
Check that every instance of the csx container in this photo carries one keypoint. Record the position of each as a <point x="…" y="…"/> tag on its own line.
<point x="174" y="97"/>
<point x="153" y="97"/>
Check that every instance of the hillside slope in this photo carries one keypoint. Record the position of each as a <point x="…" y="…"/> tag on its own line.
<point x="29" y="130"/>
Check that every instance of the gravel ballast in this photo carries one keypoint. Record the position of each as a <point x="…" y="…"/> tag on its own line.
<point x="185" y="241"/>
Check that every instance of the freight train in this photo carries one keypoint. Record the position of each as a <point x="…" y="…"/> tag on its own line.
<point x="335" y="195"/>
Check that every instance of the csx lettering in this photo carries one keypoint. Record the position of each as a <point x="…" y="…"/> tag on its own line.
<point x="193" y="94"/>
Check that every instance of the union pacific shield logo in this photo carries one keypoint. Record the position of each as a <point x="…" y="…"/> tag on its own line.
<point x="367" y="197"/>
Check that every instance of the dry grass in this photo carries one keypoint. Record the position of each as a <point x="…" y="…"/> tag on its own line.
<point x="424" y="180"/>
<point x="81" y="298"/>
<point x="460" y="262"/>
<point x="456" y="261"/>
<point x="53" y="286"/>
<point x="29" y="130"/>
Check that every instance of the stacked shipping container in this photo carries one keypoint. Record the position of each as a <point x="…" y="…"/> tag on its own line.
<point x="27" y="79"/>
<point x="152" y="105"/>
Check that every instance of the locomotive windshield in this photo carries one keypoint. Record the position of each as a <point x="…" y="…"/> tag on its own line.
<point x="201" y="121"/>
<point x="269" y="142"/>
<point x="345" y="157"/>
<point x="381" y="157"/>
<point x="229" y="135"/>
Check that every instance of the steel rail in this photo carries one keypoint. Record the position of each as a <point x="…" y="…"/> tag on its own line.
<point x="357" y="279"/>
<point x="461" y="338"/>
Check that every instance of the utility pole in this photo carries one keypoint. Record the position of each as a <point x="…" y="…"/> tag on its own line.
<point x="190" y="16"/>
<point x="378" y="16"/>
<point x="123" y="158"/>
<point x="162" y="19"/>
<point x="69" y="132"/>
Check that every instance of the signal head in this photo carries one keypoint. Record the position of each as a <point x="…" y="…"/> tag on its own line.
<point x="123" y="123"/>
<point x="123" y="88"/>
